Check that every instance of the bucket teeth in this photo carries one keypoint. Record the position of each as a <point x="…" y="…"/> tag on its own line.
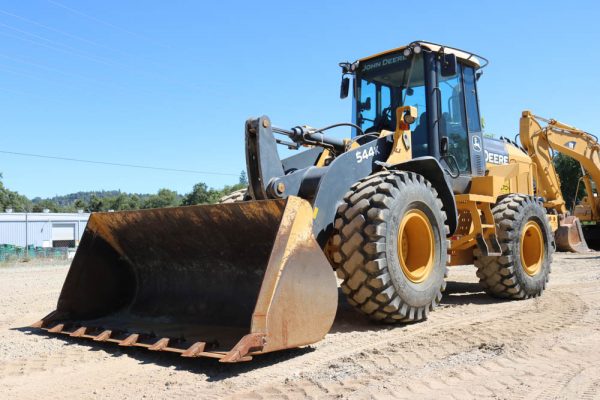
<point x="37" y="324"/>
<point x="103" y="337"/>
<point x="250" y="342"/>
<point x="79" y="332"/>
<point x="194" y="350"/>
<point x="129" y="340"/>
<point x="57" y="329"/>
<point x="160" y="345"/>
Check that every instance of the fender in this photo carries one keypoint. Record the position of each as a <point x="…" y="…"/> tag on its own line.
<point x="431" y="170"/>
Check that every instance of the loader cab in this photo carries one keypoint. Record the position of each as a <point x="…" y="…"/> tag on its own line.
<point x="441" y="84"/>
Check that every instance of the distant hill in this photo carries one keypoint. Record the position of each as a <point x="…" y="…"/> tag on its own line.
<point x="116" y="200"/>
<point x="69" y="199"/>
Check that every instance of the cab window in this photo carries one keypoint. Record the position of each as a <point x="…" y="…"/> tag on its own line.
<point x="387" y="83"/>
<point x="473" y="119"/>
<point x="453" y="121"/>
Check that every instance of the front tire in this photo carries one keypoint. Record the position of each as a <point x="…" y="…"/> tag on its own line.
<point x="389" y="246"/>
<point x="527" y="243"/>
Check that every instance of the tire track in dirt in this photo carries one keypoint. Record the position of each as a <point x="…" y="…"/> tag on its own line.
<point x="471" y="347"/>
<point x="459" y="341"/>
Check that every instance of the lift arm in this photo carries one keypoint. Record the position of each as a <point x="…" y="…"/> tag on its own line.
<point x="583" y="147"/>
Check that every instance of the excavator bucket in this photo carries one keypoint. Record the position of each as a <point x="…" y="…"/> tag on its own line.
<point x="225" y="281"/>
<point x="569" y="236"/>
<point x="592" y="235"/>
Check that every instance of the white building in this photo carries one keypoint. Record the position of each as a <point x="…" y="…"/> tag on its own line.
<point x="42" y="229"/>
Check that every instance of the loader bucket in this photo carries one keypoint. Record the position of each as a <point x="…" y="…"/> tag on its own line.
<point x="569" y="236"/>
<point x="225" y="281"/>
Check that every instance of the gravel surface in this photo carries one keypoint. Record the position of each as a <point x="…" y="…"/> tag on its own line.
<point x="473" y="346"/>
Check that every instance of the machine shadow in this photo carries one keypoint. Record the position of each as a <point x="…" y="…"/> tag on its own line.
<point x="347" y="320"/>
<point x="212" y="368"/>
<point x="584" y="258"/>
<point x="463" y="293"/>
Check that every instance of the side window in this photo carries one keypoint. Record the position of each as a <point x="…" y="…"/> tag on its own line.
<point x="367" y="107"/>
<point x="473" y="119"/>
<point x="453" y="122"/>
<point x="415" y="96"/>
<point x="385" y="111"/>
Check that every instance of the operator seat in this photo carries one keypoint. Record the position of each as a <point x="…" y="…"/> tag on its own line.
<point x="420" y="137"/>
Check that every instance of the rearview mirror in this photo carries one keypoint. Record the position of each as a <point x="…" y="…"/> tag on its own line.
<point x="444" y="146"/>
<point x="449" y="65"/>
<point x="344" y="87"/>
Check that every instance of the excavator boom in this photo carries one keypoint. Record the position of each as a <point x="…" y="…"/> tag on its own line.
<point x="540" y="137"/>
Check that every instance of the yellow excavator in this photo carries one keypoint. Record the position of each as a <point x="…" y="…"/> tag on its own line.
<point x="542" y="137"/>
<point x="414" y="190"/>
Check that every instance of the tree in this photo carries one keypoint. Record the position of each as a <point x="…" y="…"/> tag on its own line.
<point x="14" y="200"/>
<point x="119" y="203"/>
<point x="45" y="204"/>
<point x="80" y="204"/>
<point x="164" y="198"/>
<point x="134" y="202"/>
<point x="243" y="178"/>
<point x="569" y="172"/>
<point x="200" y="194"/>
<point x="96" y="204"/>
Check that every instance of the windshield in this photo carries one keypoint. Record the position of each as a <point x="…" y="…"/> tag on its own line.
<point x="386" y="83"/>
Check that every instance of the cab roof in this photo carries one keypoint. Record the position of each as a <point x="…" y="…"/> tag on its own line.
<point x="470" y="58"/>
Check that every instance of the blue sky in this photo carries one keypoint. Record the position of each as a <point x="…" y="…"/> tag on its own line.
<point x="170" y="84"/>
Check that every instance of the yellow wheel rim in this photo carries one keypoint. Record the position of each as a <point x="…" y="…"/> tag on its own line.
<point x="416" y="248"/>
<point x="532" y="248"/>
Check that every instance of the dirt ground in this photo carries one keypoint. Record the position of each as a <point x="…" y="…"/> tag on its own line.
<point x="473" y="346"/>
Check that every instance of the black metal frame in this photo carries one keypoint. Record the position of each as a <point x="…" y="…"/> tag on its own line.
<point x="460" y="183"/>
<point x="325" y="186"/>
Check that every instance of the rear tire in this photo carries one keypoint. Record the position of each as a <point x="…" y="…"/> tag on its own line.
<point x="389" y="247"/>
<point x="527" y="244"/>
<point x="235" y="197"/>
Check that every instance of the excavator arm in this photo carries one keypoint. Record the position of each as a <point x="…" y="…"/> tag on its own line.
<point x="539" y="136"/>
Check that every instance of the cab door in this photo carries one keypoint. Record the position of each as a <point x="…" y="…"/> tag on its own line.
<point x="458" y="121"/>
<point x="473" y="121"/>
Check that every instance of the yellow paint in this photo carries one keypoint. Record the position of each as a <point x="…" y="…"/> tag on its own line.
<point x="416" y="248"/>
<point x="350" y="144"/>
<point x="532" y="248"/>
<point x="553" y="221"/>
<point x="315" y="212"/>
<point x="481" y="221"/>
<point x="464" y="56"/>
<point x="402" y="148"/>
<point x="325" y="155"/>
<point x="298" y="286"/>
<point x="568" y="140"/>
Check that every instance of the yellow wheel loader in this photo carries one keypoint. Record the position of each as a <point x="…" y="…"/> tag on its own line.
<point x="415" y="190"/>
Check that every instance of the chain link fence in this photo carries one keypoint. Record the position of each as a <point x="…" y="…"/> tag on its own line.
<point x="10" y="254"/>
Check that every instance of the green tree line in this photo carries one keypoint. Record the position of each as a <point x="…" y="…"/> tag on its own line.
<point x="568" y="170"/>
<point x="116" y="200"/>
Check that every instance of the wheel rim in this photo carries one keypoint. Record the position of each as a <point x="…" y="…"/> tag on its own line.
<point x="415" y="246"/>
<point x="532" y="248"/>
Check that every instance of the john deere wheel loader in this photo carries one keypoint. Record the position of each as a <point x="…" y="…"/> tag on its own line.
<point x="388" y="210"/>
